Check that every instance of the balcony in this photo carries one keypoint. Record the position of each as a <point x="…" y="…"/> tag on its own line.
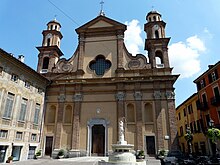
<point x="202" y="106"/>
<point x="215" y="100"/>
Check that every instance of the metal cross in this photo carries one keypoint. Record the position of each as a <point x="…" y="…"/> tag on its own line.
<point x="102" y="3"/>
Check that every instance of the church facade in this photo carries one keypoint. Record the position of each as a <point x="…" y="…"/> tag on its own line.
<point x="102" y="84"/>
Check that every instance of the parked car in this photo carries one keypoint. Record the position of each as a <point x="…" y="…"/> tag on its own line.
<point x="173" y="157"/>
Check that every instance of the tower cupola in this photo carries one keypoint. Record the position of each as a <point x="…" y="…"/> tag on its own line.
<point x="156" y="43"/>
<point x="52" y="36"/>
<point x="50" y="50"/>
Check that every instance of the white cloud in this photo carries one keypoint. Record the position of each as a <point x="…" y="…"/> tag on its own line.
<point x="184" y="57"/>
<point x="134" y="42"/>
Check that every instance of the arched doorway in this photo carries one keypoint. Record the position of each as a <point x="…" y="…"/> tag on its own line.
<point x="98" y="140"/>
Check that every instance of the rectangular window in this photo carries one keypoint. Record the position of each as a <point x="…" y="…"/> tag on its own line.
<point x="3" y="134"/>
<point x="179" y="116"/>
<point x="18" y="136"/>
<point x="1" y="70"/>
<point x="181" y="131"/>
<point x="213" y="76"/>
<point x="36" y="114"/>
<point x="14" y="78"/>
<point x="184" y="111"/>
<point x="198" y="126"/>
<point x="23" y="110"/>
<point x="9" y="106"/>
<point x="190" y="110"/>
<point x="33" y="137"/>
<point x="27" y="84"/>
<point x="186" y="126"/>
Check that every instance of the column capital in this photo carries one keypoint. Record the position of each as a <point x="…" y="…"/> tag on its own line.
<point x="170" y="95"/>
<point x="157" y="94"/>
<point x="138" y="95"/>
<point x="61" y="98"/>
<point x="77" y="97"/>
<point x="120" y="96"/>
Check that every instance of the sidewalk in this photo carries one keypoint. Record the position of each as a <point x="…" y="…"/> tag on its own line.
<point x="74" y="161"/>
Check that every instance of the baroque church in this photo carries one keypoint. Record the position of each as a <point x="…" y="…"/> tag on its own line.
<point x="102" y="84"/>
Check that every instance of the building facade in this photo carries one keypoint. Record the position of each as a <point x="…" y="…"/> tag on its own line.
<point x="189" y="117"/>
<point x="22" y="93"/>
<point x="102" y="84"/>
<point x="208" y="88"/>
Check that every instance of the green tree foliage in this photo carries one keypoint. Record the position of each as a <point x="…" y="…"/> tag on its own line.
<point x="213" y="134"/>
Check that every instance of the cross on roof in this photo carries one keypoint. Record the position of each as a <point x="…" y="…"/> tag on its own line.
<point x="101" y="11"/>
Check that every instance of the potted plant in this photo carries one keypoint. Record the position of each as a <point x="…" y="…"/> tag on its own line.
<point x="38" y="154"/>
<point x="140" y="155"/>
<point x="60" y="154"/>
<point x="161" y="154"/>
<point x="10" y="159"/>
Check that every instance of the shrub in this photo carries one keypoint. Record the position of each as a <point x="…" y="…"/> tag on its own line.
<point x="38" y="153"/>
<point x="61" y="152"/>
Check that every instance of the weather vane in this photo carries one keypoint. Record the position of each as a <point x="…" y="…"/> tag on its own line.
<point x="152" y="8"/>
<point x="101" y="11"/>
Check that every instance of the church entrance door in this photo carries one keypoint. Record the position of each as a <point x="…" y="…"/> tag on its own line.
<point x="98" y="140"/>
<point x="150" y="142"/>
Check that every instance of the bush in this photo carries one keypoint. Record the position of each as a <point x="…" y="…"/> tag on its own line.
<point x="61" y="152"/>
<point x="38" y="153"/>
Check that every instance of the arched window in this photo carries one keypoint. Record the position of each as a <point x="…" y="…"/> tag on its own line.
<point x="159" y="59"/>
<point x="130" y="113"/>
<point x="48" y="42"/>
<point x="68" y="114"/>
<point x="148" y="113"/>
<point x="51" y="27"/>
<point x="45" y="63"/>
<point x="156" y="34"/>
<point x="51" y="114"/>
<point x="154" y="17"/>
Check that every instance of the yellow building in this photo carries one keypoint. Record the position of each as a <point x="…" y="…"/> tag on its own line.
<point x="22" y="93"/>
<point x="102" y="83"/>
<point x="189" y="116"/>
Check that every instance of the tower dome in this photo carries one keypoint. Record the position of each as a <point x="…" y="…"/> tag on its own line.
<point x="53" y="25"/>
<point x="153" y="16"/>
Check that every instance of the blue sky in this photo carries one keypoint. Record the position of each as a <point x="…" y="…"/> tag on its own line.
<point x="192" y="25"/>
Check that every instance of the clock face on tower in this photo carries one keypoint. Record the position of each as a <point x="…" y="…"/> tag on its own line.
<point x="156" y="27"/>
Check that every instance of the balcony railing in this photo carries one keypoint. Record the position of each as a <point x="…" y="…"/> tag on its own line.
<point x="202" y="106"/>
<point x="215" y="100"/>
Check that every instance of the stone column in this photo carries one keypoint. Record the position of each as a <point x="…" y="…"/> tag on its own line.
<point x="171" y="118"/>
<point x="165" y="57"/>
<point x="59" y="126"/>
<point x="120" y="42"/>
<point x="81" y="51"/>
<point x="159" y="121"/>
<point x="139" y="122"/>
<point x="76" y="121"/>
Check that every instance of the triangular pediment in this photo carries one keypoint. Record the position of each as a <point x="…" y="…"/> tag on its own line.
<point x="101" y="22"/>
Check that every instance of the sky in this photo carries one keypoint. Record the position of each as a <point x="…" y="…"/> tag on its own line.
<point x="192" y="25"/>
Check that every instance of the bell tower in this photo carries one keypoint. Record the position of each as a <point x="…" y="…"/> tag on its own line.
<point x="156" y="43"/>
<point x="50" y="51"/>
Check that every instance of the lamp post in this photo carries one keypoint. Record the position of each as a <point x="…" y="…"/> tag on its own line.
<point x="189" y="138"/>
<point x="213" y="145"/>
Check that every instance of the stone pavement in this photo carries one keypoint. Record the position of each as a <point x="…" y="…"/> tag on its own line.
<point x="74" y="161"/>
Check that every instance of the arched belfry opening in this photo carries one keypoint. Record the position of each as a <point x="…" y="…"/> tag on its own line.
<point x="45" y="63"/>
<point x="157" y="34"/>
<point x="159" y="59"/>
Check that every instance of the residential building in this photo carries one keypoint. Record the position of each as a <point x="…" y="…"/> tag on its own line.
<point x="102" y="84"/>
<point x="189" y="117"/>
<point x="22" y="92"/>
<point x="208" y="85"/>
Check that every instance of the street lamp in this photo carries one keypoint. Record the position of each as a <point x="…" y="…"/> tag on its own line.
<point x="211" y="123"/>
<point x="189" y="138"/>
